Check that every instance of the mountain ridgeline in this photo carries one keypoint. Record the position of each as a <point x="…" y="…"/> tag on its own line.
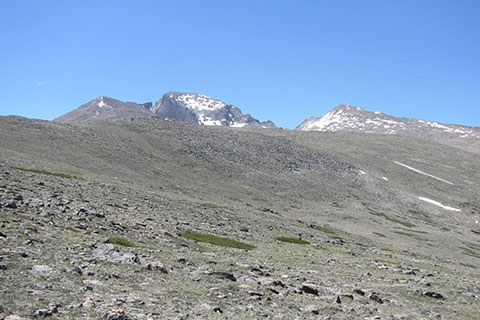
<point x="185" y="107"/>
<point x="354" y="119"/>
<point x="200" y="109"/>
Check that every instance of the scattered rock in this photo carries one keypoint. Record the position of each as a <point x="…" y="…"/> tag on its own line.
<point x="433" y="295"/>
<point x="338" y="300"/>
<point x="14" y="317"/>
<point x="116" y="315"/>
<point x="359" y="292"/>
<point x="109" y="252"/>
<point x="157" y="266"/>
<point x="308" y="288"/>
<point x="45" y="312"/>
<point x="11" y="205"/>
<point x="271" y="282"/>
<point x="375" y="297"/>
<point x="225" y="275"/>
<point x="42" y="270"/>
<point x="312" y="309"/>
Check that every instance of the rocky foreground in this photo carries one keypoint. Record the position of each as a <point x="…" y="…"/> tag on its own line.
<point x="56" y="262"/>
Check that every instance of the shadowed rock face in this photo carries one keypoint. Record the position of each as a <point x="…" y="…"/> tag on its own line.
<point x="354" y="119"/>
<point x="201" y="109"/>
<point x="105" y="109"/>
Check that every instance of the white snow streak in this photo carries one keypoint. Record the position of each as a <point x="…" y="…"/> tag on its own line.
<point x="424" y="173"/>
<point x="439" y="204"/>
<point x="385" y="178"/>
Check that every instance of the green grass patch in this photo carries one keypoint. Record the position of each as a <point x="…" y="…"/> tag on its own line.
<point x="292" y="240"/>
<point x="210" y="205"/>
<point x="57" y="174"/>
<point x="218" y="241"/>
<point x="411" y="235"/>
<point x="416" y="231"/>
<point x="337" y="205"/>
<point x="379" y="234"/>
<point x="324" y="229"/>
<point x="121" y="242"/>
<point x="395" y="220"/>
<point x="470" y="252"/>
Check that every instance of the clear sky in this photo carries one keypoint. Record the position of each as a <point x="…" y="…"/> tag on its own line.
<point x="277" y="60"/>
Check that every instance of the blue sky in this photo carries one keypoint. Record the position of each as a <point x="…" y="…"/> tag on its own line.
<point x="278" y="60"/>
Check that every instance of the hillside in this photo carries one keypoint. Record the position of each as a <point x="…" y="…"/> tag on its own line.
<point x="390" y="223"/>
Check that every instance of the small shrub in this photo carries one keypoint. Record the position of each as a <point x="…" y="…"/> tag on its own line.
<point x="121" y="242"/>
<point x="218" y="241"/>
<point x="292" y="240"/>
<point x="324" y="229"/>
<point x="379" y="234"/>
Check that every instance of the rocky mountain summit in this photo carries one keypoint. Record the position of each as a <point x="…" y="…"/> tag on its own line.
<point x="354" y="119"/>
<point x="105" y="109"/>
<point x="202" y="109"/>
<point x="185" y="107"/>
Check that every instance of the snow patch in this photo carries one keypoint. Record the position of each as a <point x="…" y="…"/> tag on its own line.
<point x="238" y="124"/>
<point x="439" y="204"/>
<point x="200" y="102"/>
<point x="362" y="172"/>
<point x="385" y="178"/>
<point x="424" y="173"/>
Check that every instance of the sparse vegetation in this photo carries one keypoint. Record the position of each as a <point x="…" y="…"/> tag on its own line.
<point x="210" y="205"/>
<point x="379" y="234"/>
<point x="121" y="242"/>
<point x="218" y="241"/>
<point x="57" y="174"/>
<point x="395" y="220"/>
<point x="324" y="229"/>
<point x="470" y="252"/>
<point x="292" y="240"/>
<point x="336" y="205"/>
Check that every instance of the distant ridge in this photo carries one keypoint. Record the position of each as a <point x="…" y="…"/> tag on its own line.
<point x="104" y="109"/>
<point x="185" y="107"/>
<point x="354" y="119"/>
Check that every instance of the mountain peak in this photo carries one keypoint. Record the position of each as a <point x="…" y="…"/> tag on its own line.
<point x="104" y="108"/>
<point x="355" y="119"/>
<point x="202" y="109"/>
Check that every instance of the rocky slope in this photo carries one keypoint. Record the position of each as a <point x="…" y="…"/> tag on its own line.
<point x="104" y="109"/>
<point x="96" y="218"/>
<point x="354" y="119"/>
